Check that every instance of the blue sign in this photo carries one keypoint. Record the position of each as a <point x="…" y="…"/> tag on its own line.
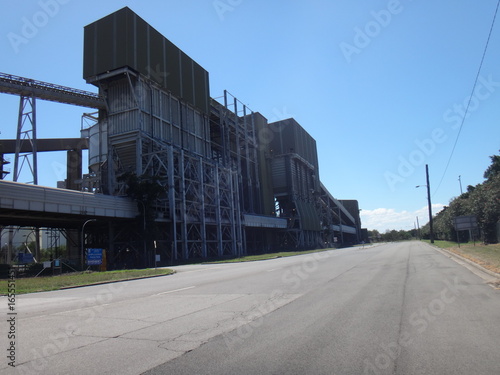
<point x="25" y="258"/>
<point x="94" y="257"/>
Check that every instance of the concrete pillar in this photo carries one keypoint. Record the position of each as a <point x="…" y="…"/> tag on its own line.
<point x="74" y="169"/>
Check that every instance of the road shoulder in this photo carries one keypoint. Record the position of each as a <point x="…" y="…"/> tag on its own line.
<point x="490" y="277"/>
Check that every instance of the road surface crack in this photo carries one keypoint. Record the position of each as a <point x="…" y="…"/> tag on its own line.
<point x="403" y="304"/>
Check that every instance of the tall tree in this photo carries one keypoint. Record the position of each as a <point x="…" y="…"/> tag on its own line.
<point x="494" y="168"/>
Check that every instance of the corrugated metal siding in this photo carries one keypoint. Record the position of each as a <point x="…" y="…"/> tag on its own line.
<point x="122" y="98"/>
<point x="158" y="114"/>
<point x="143" y="95"/>
<point x="176" y="117"/>
<point x="146" y="125"/>
<point x="98" y="143"/>
<point x="309" y="216"/>
<point x="264" y="165"/>
<point x="278" y="168"/>
<point x="292" y="138"/>
<point x="292" y="185"/>
<point x="124" y="122"/>
<point x="165" y="106"/>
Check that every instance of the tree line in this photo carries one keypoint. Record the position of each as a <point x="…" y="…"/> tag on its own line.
<point x="392" y="235"/>
<point x="481" y="201"/>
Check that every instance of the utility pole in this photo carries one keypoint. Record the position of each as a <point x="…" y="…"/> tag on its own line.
<point x="431" y="228"/>
<point x="460" y="182"/>
<point x="418" y="230"/>
<point x="429" y="203"/>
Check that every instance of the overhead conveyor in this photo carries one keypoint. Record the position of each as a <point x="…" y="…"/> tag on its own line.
<point x="11" y="84"/>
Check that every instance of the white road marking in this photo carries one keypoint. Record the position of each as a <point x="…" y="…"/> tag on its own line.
<point x="199" y="270"/>
<point x="175" y="290"/>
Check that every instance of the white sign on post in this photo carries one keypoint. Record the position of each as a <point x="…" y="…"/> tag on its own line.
<point x="465" y="222"/>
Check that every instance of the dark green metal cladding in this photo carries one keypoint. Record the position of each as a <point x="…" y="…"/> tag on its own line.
<point x="123" y="39"/>
<point x="290" y="137"/>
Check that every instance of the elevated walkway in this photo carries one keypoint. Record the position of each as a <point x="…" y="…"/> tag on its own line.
<point x="337" y="204"/>
<point x="344" y="229"/>
<point x="261" y="221"/>
<point x="31" y="205"/>
<point x="8" y="146"/>
<point x="23" y="204"/>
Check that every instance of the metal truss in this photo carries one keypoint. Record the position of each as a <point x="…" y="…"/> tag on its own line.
<point x="234" y="144"/>
<point x="22" y="86"/>
<point x="199" y="206"/>
<point x="301" y="188"/>
<point x="26" y="133"/>
<point x="329" y="217"/>
<point x="198" y="214"/>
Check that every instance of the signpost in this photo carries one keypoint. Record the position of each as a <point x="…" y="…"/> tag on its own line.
<point x="157" y="256"/>
<point x="56" y="267"/>
<point x="25" y="258"/>
<point x="94" y="257"/>
<point x="465" y="223"/>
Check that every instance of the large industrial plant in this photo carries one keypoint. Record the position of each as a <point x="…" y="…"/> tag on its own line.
<point x="174" y="173"/>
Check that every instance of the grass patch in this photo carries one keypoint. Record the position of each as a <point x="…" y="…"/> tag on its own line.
<point x="46" y="283"/>
<point x="251" y="258"/>
<point x="487" y="256"/>
<point x="442" y="244"/>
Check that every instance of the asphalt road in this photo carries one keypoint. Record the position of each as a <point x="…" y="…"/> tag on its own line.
<point x="402" y="308"/>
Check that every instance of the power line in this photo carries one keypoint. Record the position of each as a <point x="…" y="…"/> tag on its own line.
<point x="470" y="98"/>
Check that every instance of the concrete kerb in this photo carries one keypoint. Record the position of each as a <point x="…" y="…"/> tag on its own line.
<point x="452" y="255"/>
<point x="271" y="258"/>
<point x="115" y="281"/>
<point x="368" y="245"/>
<point x="100" y="283"/>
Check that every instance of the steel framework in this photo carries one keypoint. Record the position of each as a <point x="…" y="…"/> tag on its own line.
<point x="206" y="185"/>
<point x="29" y="90"/>
<point x="210" y="169"/>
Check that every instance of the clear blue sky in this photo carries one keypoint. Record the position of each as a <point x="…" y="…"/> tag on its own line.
<point x="380" y="85"/>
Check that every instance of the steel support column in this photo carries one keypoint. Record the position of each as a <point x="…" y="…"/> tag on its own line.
<point x="26" y="132"/>
<point x="218" y="214"/>
<point x="171" y="200"/>
<point x="202" y="214"/>
<point x="184" y="233"/>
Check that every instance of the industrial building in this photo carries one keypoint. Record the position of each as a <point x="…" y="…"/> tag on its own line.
<point x="192" y="176"/>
